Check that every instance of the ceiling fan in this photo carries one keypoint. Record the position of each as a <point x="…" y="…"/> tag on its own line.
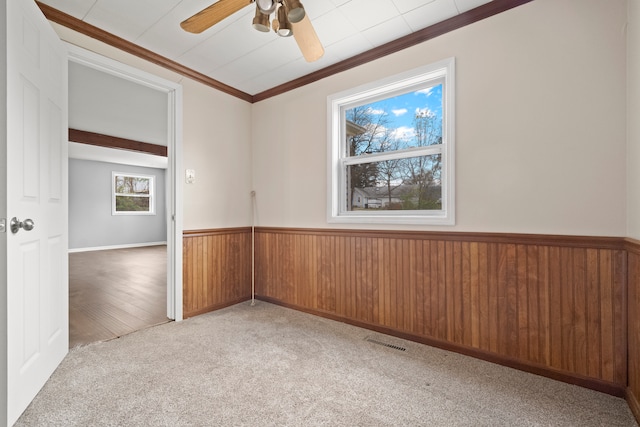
<point x="290" y="19"/>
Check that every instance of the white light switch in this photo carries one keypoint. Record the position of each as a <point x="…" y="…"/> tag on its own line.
<point x="190" y="176"/>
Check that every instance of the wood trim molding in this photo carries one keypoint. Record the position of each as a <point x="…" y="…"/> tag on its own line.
<point x="575" y="379"/>
<point x="102" y="140"/>
<point x="632" y="245"/>
<point x="599" y="242"/>
<point x="633" y="326"/>
<point x="215" y="307"/>
<point x="216" y="231"/>
<point x="82" y="27"/>
<point x="634" y="404"/>
<point x="474" y="15"/>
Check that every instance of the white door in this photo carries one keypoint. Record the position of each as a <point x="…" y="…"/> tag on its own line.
<point x="36" y="189"/>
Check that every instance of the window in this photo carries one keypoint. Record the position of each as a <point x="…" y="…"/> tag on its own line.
<point x="132" y="194"/>
<point x="391" y="149"/>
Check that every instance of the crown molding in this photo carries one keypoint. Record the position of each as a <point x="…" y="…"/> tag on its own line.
<point x="474" y="15"/>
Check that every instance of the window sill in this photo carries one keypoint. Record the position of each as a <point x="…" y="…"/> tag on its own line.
<point x="392" y="219"/>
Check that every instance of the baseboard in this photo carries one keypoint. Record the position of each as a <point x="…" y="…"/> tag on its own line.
<point x="634" y="404"/>
<point x="215" y="307"/>
<point x="613" y="389"/>
<point x="106" y="248"/>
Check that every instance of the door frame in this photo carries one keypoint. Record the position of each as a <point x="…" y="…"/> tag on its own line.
<point x="174" y="156"/>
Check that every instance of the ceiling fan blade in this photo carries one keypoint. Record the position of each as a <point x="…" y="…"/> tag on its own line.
<point x="307" y="40"/>
<point x="213" y="14"/>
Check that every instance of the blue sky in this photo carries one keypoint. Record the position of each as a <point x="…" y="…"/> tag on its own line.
<point x="400" y="110"/>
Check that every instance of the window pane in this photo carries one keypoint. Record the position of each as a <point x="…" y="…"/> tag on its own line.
<point x="132" y="204"/>
<point x="410" y="120"/>
<point x="412" y="183"/>
<point x="132" y="185"/>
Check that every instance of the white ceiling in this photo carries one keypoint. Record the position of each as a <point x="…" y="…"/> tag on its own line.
<point x="104" y="103"/>
<point x="235" y="54"/>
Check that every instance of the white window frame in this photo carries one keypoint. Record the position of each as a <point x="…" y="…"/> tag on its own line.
<point x="152" y="198"/>
<point x="338" y="161"/>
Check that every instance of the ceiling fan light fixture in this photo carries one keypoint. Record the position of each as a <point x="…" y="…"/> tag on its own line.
<point x="296" y="11"/>
<point x="284" y="26"/>
<point x="267" y="6"/>
<point x="261" y="21"/>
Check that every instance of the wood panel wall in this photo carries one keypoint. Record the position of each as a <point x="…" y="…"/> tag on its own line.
<point x="553" y="305"/>
<point x="216" y="269"/>
<point x="633" y="390"/>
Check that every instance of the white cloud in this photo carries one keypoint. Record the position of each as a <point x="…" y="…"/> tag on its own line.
<point x="426" y="91"/>
<point x="400" y="112"/>
<point x="424" y="112"/>
<point x="376" y="112"/>
<point x="404" y="133"/>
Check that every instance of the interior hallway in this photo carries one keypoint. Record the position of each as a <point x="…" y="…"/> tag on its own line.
<point x="115" y="292"/>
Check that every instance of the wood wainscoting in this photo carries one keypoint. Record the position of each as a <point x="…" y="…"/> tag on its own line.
<point x="216" y="269"/>
<point x="552" y="305"/>
<point x="633" y="390"/>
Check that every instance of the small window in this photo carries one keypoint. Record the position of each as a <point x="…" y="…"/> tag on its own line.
<point x="391" y="149"/>
<point x="133" y="194"/>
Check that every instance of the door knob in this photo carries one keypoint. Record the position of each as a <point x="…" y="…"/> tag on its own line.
<point x="16" y="225"/>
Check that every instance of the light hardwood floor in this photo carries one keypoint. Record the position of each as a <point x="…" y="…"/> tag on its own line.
<point x="116" y="292"/>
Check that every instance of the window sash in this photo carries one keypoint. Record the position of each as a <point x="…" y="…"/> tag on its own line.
<point x="392" y="155"/>
<point x="132" y="195"/>
<point x="347" y="194"/>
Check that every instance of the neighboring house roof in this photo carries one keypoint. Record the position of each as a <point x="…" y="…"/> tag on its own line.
<point x="354" y="129"/>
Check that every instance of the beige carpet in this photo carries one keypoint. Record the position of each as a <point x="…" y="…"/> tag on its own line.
<point x="270" y="366"/>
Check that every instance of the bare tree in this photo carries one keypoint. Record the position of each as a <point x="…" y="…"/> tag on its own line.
<point x="389" y="173"/>
<point x="424" y="172"/>
<point x="372" y="140"/>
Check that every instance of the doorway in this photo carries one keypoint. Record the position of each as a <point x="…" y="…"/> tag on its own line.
<point x="165" y="275"/>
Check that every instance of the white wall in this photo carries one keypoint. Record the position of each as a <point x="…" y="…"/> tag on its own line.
<point x="633" y="119"/>
<point x="216" y="143"/>
<point x="220" y="152"/>
<point x="541" y="128"/>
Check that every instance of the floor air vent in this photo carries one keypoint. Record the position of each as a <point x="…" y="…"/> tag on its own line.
<point x="395" y="347"/>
